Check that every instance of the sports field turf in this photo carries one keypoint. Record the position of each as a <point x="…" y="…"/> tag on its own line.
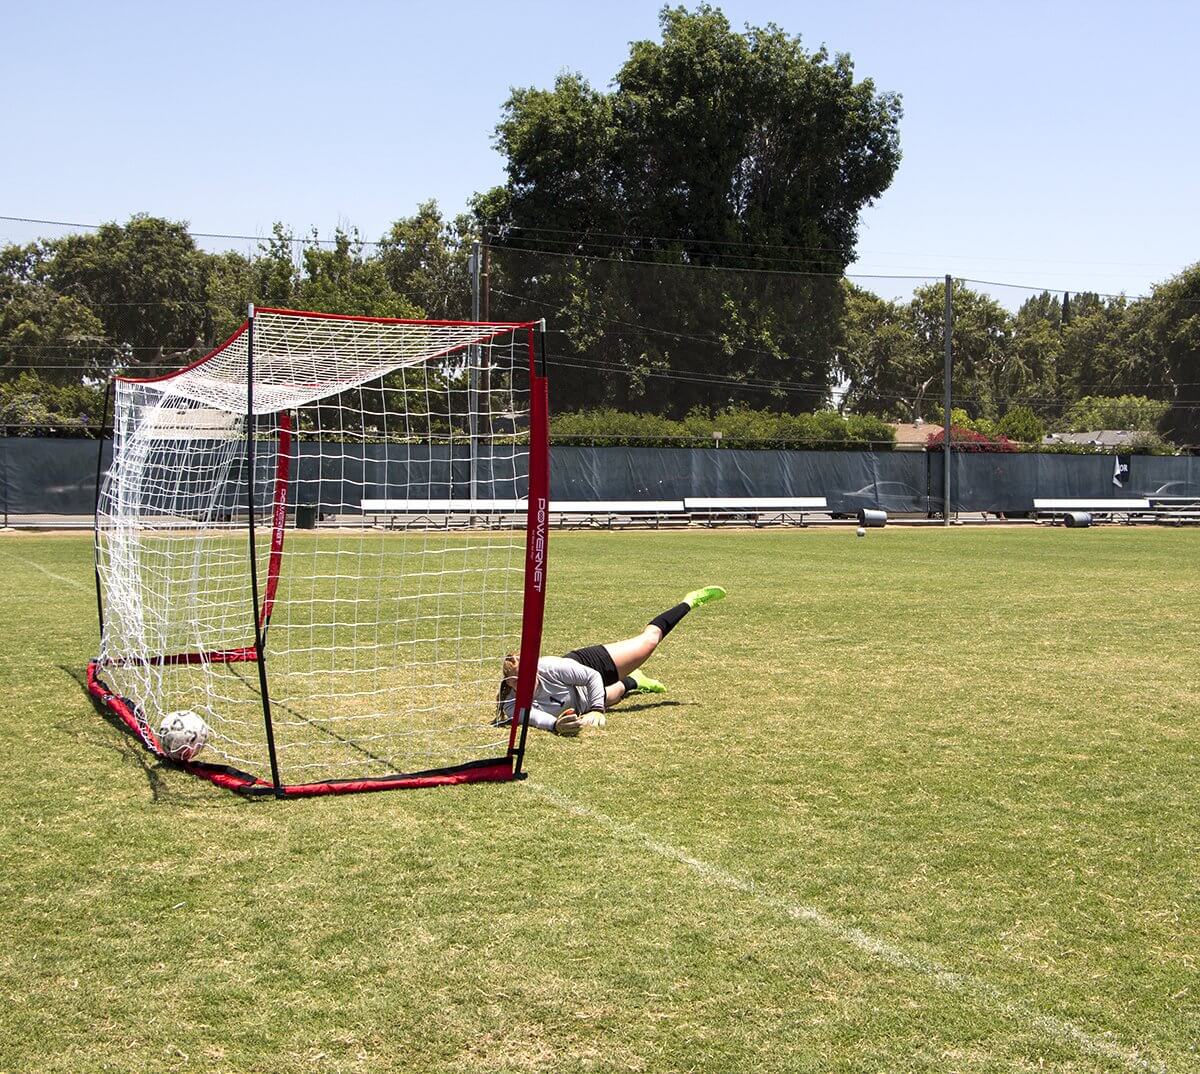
<point x="921" y="802"/>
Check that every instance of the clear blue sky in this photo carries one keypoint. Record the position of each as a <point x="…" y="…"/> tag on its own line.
<point x="1054" y="142"/>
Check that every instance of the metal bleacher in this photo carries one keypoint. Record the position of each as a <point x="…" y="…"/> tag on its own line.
<point x="757" y="510"/>
<point x="597" y="514"/>
<point x="614" y="514"/>
<point x="402" y="514"/>
<point x="1126" y="510"/>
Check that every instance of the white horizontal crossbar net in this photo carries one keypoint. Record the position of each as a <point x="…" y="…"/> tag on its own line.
<point x="302" y="357"/>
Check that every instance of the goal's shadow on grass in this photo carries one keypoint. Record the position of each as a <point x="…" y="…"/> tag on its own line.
<point x="168" y="784"/>
<point x="346" y="740"/>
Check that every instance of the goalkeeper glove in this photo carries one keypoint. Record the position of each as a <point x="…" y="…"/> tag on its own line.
<point x="570" y="723"/>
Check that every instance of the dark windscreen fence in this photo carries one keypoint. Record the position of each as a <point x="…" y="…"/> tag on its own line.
<point x="847" y="479"/>
<point x="43" y="481"/>
<point x="400" y="472"/>
<point x="51" y="476"/>
<point x="1009" y="483"/>
<point x="1166" y="476"/>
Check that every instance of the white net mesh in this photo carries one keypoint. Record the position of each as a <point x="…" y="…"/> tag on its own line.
<point x="391" y="582"/>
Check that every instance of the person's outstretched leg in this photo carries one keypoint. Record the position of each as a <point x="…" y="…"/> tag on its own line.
<point x="632" y="653"/>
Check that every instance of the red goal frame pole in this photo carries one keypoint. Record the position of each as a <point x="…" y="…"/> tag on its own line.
<point x="537" y="535"/>
<point x="283" y="463"/>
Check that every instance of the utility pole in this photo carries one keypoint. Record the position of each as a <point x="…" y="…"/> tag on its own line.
<point x="483" y="387"/>
<point x="487" y="282"/>
<point x="947" y="422"/>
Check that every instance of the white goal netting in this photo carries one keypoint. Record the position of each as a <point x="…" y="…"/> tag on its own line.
<point x="387" y="467"/>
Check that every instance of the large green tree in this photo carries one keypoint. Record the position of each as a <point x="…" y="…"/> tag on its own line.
<point x="981" y="342"/>
<point x="1035" y="354"/>
<point x="878" y="360"/>
<point x="629" y="217"/>
<point x="1137" y="412"/>
<point x="144" y="280"/>
<point x="424" y="258"/>
<point x="1092" y="344"/>
<point x="41" y="330"/>
<point x="1169" y="329"/>
<point x="340" y="278"/>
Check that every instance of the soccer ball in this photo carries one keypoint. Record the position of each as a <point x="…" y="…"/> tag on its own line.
<point x="182" y="734"/>
<point x="862" y="532"/>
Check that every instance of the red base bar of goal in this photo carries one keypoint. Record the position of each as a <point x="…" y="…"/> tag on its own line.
<point x="492" y="770"/>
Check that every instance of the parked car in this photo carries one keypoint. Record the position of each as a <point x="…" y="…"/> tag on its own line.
<point x="895" y="497"/>
<point x="1176" y="494"/>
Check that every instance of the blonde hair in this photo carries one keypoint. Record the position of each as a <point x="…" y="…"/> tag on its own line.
<point x="509" y="667"/>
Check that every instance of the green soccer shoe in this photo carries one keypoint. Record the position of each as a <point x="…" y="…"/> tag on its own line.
<point x="705" y="595"/>
<point x="649" y="685"/>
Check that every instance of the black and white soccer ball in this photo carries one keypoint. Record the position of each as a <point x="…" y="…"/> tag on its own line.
<point x="182" y="734"/>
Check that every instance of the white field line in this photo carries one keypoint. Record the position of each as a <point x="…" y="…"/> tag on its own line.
<point x="1055" y="1028"/>
<point x="49" y="574"/>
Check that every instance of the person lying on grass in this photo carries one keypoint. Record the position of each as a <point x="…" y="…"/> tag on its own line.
<point x="575" y="690"/>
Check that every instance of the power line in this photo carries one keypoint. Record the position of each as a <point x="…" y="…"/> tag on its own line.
<point x="710" y="340"/>
<point x="703" y="241"/>
<point x="313" y="240"/>
<point x="1034" y="289"/>
<point x="714" y="341"/>
<point x="679" y="240"/>
<point x="669" y="239"/>
<point x="711" y="268"/>
<point x="685" y="246"/>
<point x="1051" y="290"/>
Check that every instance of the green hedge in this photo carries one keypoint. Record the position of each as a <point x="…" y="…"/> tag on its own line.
<point x="740" y="428"/>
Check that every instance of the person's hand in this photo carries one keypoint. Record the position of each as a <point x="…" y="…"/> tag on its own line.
<point x="569" y="724"/>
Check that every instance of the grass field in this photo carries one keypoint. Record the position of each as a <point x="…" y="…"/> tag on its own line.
<point x="920" y="802"/>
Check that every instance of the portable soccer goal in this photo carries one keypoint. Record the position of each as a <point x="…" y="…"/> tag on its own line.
<point x="322" y="538"/>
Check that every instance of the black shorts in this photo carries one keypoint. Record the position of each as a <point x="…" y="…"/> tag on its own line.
<point x="598" y="659"/>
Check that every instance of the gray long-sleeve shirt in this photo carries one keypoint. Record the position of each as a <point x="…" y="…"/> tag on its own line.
<point x="562" y="684"/>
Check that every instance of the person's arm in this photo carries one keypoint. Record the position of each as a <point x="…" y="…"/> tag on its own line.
<point x="568" y="723"/>
<point x="541" y="719"/>
<point x="571" y="673"/>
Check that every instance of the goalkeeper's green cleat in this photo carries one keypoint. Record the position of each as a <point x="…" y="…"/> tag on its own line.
<point x="705" y="595"/>
<point x="649" y="685"/>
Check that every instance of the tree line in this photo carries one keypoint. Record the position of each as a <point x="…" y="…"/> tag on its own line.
<point x="1075" y="361"/>
<point x="142" y="297"/>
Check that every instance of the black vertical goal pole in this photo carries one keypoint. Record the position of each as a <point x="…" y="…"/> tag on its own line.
<point x="96" y="506"/>
<point x="250" y="510"/>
